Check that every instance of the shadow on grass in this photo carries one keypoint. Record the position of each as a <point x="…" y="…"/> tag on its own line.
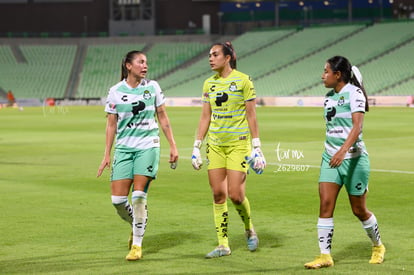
<point x="158" y="242"/>
<point x="355" y="251"/>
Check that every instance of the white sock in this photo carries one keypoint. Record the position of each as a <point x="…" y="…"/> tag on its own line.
<point x="325" y="234"/>
<point x="140" y="214"/>
<point x="371" y="227"/>
<point x="123" y="208"/>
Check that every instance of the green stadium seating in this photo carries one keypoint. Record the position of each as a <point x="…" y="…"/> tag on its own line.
<point x="45" y="74"/>
<point x="303" y="78"/>
<point x="282" y="62"/>
<point x="102" y="68"/>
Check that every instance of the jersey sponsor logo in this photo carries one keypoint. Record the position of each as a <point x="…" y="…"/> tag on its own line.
<point x="124" y="98"/>
<point x="221" y="117"/>
<point x="136" y="124"/>
<point x="137" y="107"/>
<point x="213" y="88"/>
<point x="336" y="131"/>
<point x="221" y="98"/>
<point x="147" y="95"/>
<point x="233" y="87"/>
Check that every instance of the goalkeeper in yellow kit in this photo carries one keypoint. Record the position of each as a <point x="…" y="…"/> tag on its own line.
<point x="229" y="117"/>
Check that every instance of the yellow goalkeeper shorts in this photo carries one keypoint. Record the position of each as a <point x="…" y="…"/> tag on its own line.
<point x="229" y="157"/>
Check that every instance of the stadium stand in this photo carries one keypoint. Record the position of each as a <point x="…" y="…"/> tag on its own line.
<point x="191" y="76"/>
<point x="44" y="74"/>
<point x="282" y="62"/>
<point x="102" y="64"/>
<point x="303" y="78"/>
<point x="102" y="68"/>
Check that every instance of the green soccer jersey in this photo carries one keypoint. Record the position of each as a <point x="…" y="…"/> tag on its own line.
<point x="338" y="116"/>
<point x="137" y="127"/>
<point x="227" y="97"/>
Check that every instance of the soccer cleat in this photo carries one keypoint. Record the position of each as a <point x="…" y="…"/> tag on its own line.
<point x="135" y="253"/>
<point x="323" y="260"/>
<point x="131" y="236"/>
<point x="219" y="251"/>
<point x="252" y="240"/>
<point x="378" y="253"/>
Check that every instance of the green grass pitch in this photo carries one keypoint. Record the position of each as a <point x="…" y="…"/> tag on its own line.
<point x="57" y="217"/>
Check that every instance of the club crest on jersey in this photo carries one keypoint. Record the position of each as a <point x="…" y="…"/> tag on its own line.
<point x="233" y="87"/>
<point x="147" y="95"/>
<point x="341" y="101"/>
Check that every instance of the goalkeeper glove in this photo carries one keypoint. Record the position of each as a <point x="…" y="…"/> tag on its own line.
<point x="257" y="160"/>
<point x="196" y="160"/>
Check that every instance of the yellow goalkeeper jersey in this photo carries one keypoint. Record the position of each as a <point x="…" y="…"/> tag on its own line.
<point x="227" y="97"/>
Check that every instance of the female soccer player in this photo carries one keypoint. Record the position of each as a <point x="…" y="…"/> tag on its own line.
<point x="229" y="116"/>
<point x="345" y="159"/>
<point x="132" y="106"/>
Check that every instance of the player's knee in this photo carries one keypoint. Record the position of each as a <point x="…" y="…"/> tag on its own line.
<point x="219" y="198"/>
<point x="236" y="199"/>
<point x="361" y="213"/>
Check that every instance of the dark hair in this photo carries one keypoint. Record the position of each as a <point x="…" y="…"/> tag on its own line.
<point x="228" y="49"/>
<point x="341" y="64"/>
<point x="128" y="59"/>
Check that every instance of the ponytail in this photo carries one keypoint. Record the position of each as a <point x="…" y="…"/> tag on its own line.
<point x="356" y="79"/>
<point x="349" y="74"/>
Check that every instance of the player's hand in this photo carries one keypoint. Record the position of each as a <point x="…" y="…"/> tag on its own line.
<point x="106" y="163"/>
<point x="257" y="161"/>
<point x="173" y="157"/>
<point x="337" y="159"/>
<point x="196" y="160"/>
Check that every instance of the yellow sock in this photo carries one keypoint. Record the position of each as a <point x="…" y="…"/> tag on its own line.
<point x="221" y="216"/>
<point x="244" y="212"/>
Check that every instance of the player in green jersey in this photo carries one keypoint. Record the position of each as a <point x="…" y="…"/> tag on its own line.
<point x="229" y="116"/>
<point x="345" y="159"/>
<point x="132" y="107"/>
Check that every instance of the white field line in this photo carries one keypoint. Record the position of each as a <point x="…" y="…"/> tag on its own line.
<point x="313" y="166"/>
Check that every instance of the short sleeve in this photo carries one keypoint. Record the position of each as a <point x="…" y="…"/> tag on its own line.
<point x="110" y="105"/>
<point x="249" y="91"/>
<point x="205" y="97"/>
<point x="357" y="101"/>
<point x="159" y="94"/>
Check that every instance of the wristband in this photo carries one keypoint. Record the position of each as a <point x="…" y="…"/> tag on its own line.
<point x="256" y="142"/>
<point x="197" y="143"/>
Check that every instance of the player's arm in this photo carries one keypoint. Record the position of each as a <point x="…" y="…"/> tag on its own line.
<point x="357" y="122"/>
<point x="109" y="140"/>
<point x="251" y="118"/>
<point x="203" y="126"/>
<point x="167" y="130"/>
<point x="204" y="121"/>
